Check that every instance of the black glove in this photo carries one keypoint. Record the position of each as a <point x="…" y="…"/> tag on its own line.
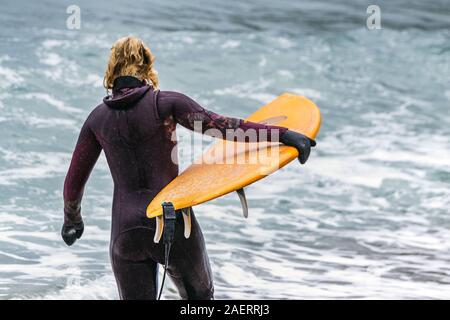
<point x="71" y="232"/>
<point x="301" y="142"/>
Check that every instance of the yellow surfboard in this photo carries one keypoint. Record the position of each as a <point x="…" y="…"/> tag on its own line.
<point x="230" y="166"/>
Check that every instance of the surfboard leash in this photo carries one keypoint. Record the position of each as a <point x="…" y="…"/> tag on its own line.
<point x="168" y="236"/>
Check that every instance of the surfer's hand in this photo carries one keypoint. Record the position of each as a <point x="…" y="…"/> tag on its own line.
<point x="71" y="232"/>
<point x="301" y="142"/>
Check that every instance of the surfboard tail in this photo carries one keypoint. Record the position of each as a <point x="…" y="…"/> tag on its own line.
<point x="186" y="213"/>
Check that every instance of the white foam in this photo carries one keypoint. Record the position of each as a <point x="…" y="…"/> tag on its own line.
<point x="350" y="170"/>
<point x="103" y="288"/>
<point x="231" y="44"/>
<point x="94" y="80"/>
<point x="285" y="43"/>
<point x="262" y="62"/>
<point x="188" y="40"/>
<point x="52" y="101"/>
<point x="307" y="92"/>
<point x="285" y="74"/>
<point x="9" y="77"/>
<point x="50" y="59"/>
<point x="38" y="122"/>
<point x="250" y="90"/>
<point x="447" y="94"/>
<point x="419" y="157"/>
<point x="53" y="43"/>
<point x="34" y="165"/>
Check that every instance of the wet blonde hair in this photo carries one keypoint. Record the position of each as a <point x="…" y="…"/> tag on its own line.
<point x="130" y="57"/>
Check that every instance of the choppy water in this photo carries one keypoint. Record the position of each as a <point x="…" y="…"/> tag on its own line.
<point x="367" y="217"/>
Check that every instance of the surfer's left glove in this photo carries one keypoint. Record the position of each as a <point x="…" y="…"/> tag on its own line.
<point x="301" y="142"/>
<point x="72" y="231"/>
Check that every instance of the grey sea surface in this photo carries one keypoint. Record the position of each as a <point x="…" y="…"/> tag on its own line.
<point x="366" y="218"/>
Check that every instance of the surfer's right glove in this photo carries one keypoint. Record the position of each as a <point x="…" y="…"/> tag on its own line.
<point x="301" y="142"/>
<point x="71" y="232"/>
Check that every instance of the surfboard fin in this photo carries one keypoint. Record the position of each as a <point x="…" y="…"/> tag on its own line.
<point x="187" y="221"/>
<point x="187" y="225"/>
<point x="243" y="200"/>
<point x="159" y="229"/>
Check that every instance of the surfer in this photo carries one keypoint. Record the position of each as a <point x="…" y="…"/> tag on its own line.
<point x="134" y="126"/>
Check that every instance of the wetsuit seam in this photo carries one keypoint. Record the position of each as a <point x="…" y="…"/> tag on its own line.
<point x="127" y="230"/>
<point x="117" y="236"/>
<point x="155" y="105"/>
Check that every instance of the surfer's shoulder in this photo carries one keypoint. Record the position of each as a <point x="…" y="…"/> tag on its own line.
<point x="171" y="96"/>
<point x="170" y="101"/>
<point x="174" y="99"/>
<point x="95" y="112"/>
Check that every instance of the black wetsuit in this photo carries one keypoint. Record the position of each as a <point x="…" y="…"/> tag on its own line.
<point x="135" y="127"/>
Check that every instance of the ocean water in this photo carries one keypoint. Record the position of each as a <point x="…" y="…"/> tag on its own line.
<point x="366" y="218"/>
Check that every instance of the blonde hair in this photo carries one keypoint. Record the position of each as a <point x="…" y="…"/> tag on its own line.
<point x="130" y="57"/>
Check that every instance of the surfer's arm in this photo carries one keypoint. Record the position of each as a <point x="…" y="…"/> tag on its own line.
<point x="84" y="157"/>
<point x="191" y="115"/>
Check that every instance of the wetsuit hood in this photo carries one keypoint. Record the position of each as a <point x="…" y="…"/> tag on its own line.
<point x="126" y="92"/>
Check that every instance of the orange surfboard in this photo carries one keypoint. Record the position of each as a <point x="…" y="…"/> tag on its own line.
<point x="230" y="166"/>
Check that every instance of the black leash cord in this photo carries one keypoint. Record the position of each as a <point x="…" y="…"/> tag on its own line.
<point x="168" y="236"/>
<point x="166" y="263"/>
